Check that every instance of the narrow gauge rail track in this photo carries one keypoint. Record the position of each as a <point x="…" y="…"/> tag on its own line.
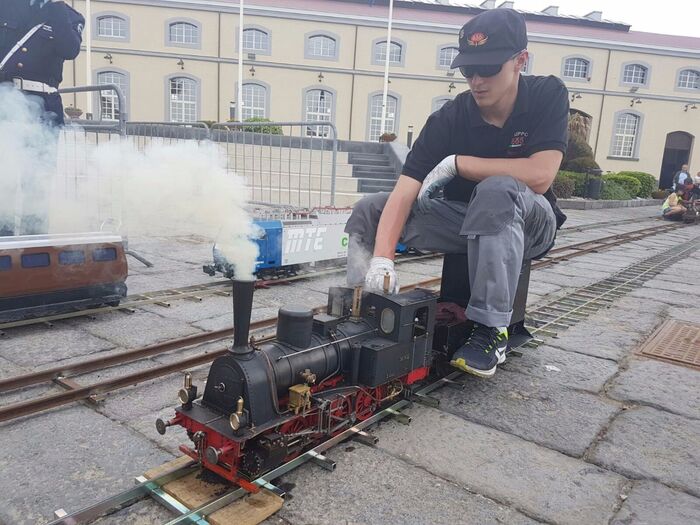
<point x="580" y="304"/>
<point x="76" y="392"/>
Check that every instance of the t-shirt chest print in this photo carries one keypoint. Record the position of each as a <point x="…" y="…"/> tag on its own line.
<point x="517" y="142"/>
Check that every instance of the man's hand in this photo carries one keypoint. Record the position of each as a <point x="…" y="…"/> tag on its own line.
<point x="443" y="173"/>
<point x="379" y="267"/>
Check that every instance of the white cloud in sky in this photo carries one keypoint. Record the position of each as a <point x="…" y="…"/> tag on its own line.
<point x="671" y="17"/>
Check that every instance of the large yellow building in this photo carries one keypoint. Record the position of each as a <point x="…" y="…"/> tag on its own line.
<point x="177" y="60"/>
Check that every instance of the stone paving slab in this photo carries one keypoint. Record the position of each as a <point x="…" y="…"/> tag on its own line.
<point x="33" y="346"/>
<point x="663" y="296"/>
<point x="651" y="503"/>
<point x="67" y="458"/>
<point x="563" y="280"/>
<point x="662" y="385"/>
<point x="564" y="368"/>
<point x="188" y="311"/>
<point x="144" y="512"/>
<point x="136" y="330"/>
<point x="545" y="484"/>
<point x="371" y="487"/>
<point x="532" y="408"/>
<point x="651" y="444"/>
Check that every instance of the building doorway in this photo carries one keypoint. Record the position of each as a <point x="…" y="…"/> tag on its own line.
<point x="676" y="153"/>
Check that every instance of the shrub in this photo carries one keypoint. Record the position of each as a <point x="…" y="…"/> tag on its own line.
<point x="581" y="164"/>
<point x="563" y="187"/>
<point x="659" y="194"/>
<point x="630" y="184"/>
<point x="612" y="191"/>
<point x="646" y="180"/>
<point x="269" y="130"/>
<point x="579" y="180"/>
<point x="387" y="137"/>
<point x="577" y="149"/>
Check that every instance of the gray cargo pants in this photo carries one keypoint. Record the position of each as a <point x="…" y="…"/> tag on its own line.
<point x="504" y="224"/>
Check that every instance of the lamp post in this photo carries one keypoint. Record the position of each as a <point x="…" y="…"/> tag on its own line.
<point x="87" y="31"/>
<point x="239" y="90"/>
<point x="386" y="69"/>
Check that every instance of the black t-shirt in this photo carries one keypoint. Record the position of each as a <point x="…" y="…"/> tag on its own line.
<point x="539" y="122"/>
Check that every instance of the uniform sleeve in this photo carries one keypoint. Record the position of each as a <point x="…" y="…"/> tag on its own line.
<point x="68" y="27"/>
<point x="432" y="145"/>
<point x="551" y="133"/>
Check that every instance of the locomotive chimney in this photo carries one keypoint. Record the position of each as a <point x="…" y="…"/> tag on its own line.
<point x="242" y="309"/>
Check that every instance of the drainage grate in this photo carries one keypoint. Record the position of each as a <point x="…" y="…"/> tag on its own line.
<point x="676" y="342"/>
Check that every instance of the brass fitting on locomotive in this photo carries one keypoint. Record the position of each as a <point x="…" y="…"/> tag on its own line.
<point x="239" y="418"/>
<point x="188" y="393"/>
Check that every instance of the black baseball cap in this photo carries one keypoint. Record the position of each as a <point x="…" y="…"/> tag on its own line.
<point x="491" y="38"/>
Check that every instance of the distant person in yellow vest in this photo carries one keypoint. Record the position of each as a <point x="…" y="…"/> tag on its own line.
<point x="672" y="209"/>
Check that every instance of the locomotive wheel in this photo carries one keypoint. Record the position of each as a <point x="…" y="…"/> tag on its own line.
<point x="252" y="463"/>
<point x="292" y="427"/>
<point x="365" y="405"/>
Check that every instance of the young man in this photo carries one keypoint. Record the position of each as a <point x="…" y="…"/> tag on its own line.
<point x="681" y="176"/>
<point x="495" y="150"/>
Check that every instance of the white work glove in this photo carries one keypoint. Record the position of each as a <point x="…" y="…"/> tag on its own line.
<point x="374" y="279"/>
<point x="441" y="174"/>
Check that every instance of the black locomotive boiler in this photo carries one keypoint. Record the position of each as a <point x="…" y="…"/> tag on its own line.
<point x="266" y="403"/>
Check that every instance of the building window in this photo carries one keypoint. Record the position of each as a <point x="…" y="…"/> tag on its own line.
<point x="71" y="257"/>
<point x="395" y="53"/>
<point x="109" y="102"/>
<point x="321" y="46"/>
<point x="254" y="101"/>
<point x="375" y="116"/>
<point x="439" y="102"/>
<point x="5" y="262"/>
<point x="318" y="106"/>
<point x="625" y="139"/>
<point x="635" y="74"/>
<point x="576" y="68"/>
<point x="256" y="40"/>
<point x="36" y="260"/>
<point x="183" y="99"/>
<point x="111" y="27"/>
<point x="183" y="33"/>
<point x="689" y="79"/>
<point x="446" y="56"/>
<point x="104" y="254"/>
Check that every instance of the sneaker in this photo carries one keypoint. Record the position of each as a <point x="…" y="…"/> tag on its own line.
<point x="485" y="348"/>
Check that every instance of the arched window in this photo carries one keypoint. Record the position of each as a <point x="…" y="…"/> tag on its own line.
<point x="635" y="74"/>
<point x="439" y="102"/>
<point x="576" y="67"/>
<point x="318" y="105"/>
<point x="447" y="55"/>
<point x="321" y="46"/>
<point x="110" y="26"/>
<point x="183" y="33"/>
<point x="256" y="40"/>
<point x="375" y="116"/>
<point x="689" y="79"/>
<point x="395" y="53"/>
<point x="254" y="101"/>
<point x="625" y="137"/>
<point x="109" y="103"/>
<point x="183" y="99"/>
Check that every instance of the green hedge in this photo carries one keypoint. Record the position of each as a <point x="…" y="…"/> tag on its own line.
<point x="630" y="184"/>
<point x="580" y="164"/>
<point x="563" y="187"/>
<point x="270" y="130"/>
<point x="646" y="180"/>
<point x="612" y="191"/>
<point x="579" y="180"/>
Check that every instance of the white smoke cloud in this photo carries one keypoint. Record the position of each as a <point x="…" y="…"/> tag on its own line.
<point x="176" y="189"/>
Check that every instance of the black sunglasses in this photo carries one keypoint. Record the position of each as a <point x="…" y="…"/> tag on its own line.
<point x="484" y="71"/>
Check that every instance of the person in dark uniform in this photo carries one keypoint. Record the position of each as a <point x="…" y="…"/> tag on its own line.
<point x="36" y="37"/>
<point x="495" y="151"/>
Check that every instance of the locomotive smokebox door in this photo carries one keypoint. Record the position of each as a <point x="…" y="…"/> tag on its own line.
<point x="455" y="289"/>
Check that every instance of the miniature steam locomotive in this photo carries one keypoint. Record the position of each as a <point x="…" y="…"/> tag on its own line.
<point x="266" y="403"/>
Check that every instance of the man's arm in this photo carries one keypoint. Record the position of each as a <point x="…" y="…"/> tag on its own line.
<point x="536" y="171"/>
<point x="394" y="216"/>
<point x="67" y="26"/>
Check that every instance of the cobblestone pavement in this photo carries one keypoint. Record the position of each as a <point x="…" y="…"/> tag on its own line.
<point x="581" y="430"/>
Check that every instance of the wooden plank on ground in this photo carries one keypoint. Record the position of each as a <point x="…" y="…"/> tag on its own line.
<point x="198" y="488"/>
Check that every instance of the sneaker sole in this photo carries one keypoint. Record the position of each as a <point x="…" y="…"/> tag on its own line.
<point x="461" y="364"/>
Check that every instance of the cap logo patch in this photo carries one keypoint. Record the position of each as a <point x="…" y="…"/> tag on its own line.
<point x="477" y="39"/>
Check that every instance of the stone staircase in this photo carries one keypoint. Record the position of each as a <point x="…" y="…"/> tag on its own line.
<point x="374" y="172"/>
